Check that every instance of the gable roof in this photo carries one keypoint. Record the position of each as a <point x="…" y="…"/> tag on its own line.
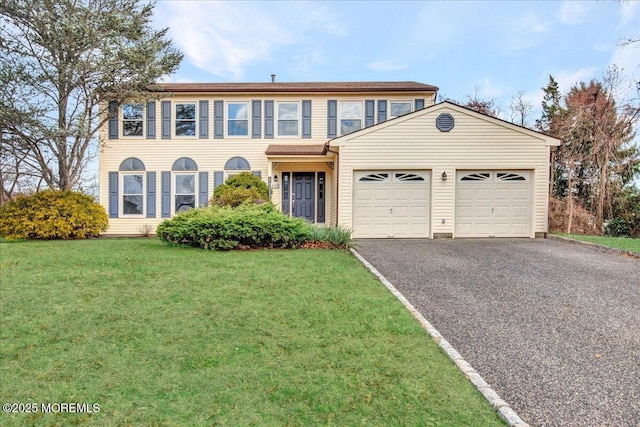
<point x="277" y="87"/>
<point x="549" y="140"/>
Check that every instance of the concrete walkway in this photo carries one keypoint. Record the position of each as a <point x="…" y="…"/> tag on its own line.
<point x="554" y="328"/>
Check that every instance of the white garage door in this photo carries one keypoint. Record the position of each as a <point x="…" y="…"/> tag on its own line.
<point x="493" y="204"/>
<point x="391" y="204"/>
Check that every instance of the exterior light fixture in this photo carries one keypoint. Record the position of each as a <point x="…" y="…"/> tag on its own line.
<point x="275" y="178"/>
<point x="444" y="176"/>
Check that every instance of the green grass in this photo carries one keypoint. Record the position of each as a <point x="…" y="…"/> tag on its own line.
<point x="623" y="243"/>
<point x="160" y="335"/>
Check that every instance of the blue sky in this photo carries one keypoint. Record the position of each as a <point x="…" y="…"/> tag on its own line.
<point x="493" y="48"/>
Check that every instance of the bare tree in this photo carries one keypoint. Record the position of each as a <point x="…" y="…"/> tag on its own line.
<point x="520" y="110"/>
<point x="480" y="105"/>
<point x="58" y="60"/>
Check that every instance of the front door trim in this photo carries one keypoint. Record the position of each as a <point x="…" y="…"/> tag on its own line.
<point x="304" y="205"/>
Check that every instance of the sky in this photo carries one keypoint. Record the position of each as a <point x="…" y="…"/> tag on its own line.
<point x="493" y="49"/>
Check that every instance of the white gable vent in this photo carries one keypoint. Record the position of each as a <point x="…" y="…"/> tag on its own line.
<point x="445" y="122"/>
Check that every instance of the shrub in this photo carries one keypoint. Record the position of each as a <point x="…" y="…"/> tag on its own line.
<point x="224" y="228"/>
<point x="52" y="215"/>
<point x="332" y="237"/>
<point x="617" y="227"/>
<point x="240" y="188"/>
<point x="235" y="196"/>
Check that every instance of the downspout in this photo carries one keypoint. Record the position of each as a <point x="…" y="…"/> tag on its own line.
<point x="336" y="170"/>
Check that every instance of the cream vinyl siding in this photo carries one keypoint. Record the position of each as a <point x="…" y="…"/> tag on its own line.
<point x="211" y="154"/>
<point x="414" y="143"/>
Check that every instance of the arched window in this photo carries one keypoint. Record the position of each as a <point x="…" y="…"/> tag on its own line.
<point x="184" y="164"/>
<point x="131" y="164"/>
<point x="237" y="163"/>
<point x="131" y="172"/>
<point x="185" y="184"/>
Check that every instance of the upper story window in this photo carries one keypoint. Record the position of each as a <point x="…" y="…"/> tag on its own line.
<point x="350" y="117"/>
<point x="185" y="119"/>
<point x="238" y="119"/>
<point x="288" y="118"/>
<point x="132" y="119"/>
<point x="399" y="108"/>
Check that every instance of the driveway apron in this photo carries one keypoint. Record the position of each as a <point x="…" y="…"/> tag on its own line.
<point x="553" y="327"/>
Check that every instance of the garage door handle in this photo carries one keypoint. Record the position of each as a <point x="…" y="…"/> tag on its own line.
<point x="390" y="210"/>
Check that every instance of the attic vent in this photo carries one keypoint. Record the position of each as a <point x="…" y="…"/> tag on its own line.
<point x="445" y="122"/>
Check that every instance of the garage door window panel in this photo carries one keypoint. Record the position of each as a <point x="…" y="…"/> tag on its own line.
<point x="408" y="177"/>
<point x="483" y="176"/>
<point x="375" y="177"/>
<point x="502" y="176"/>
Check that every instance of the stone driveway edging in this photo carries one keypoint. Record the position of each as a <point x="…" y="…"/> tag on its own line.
<point x="502" y="407"/>
<point x="601" y="248"/>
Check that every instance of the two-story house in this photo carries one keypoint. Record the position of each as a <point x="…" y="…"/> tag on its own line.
<point x="378" y="157"/>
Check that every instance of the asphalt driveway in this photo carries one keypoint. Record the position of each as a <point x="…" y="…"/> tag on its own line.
<point x="553" y="327"/>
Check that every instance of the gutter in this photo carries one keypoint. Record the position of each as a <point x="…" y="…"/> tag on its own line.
<point x="336" y="170"/>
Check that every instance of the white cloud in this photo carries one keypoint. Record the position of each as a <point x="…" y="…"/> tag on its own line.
<point x="602" y="47"/>
<point x="225" y="38"/>
<point x="305" y="62"/>
<point x="524" y="32"/>
<point x="627" y="59"/>
<point x="386" y="65"/>
<point x="628" y="12"/>
<point x="567" y="78"/>
<point x="487" y="89"/>
<point x="573" y="12"/>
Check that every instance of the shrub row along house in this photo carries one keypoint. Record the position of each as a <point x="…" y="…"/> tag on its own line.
<point x="381" y="158"/>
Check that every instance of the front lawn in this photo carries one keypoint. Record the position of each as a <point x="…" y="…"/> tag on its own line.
<point x="623" y="243"/>
<point x="159" y="335"/>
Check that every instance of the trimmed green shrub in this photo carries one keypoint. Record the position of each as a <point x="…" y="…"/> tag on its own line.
<point x="224" y="228"/>
<point x="52" y="215"/>
<point x="235" y="196"/>
<point x="240" y="188"/>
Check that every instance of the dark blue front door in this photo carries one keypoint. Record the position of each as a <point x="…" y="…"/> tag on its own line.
<point x="303" y="195"/>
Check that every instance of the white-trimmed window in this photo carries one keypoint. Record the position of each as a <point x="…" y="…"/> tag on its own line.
<point x="132" y="119"/>
<point x="185" y="191"/>
<point x="350" y="116"/>
<point x="132" y="187"/>
<point x="399" y="108"/>
<point x="288" y="118"/>
<point x="185" y="124"/>
<point x="132" y="193"/>
<point x="238" y="118"/>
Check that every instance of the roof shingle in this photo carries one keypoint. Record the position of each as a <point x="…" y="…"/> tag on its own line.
<point x="404" y="86"/>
